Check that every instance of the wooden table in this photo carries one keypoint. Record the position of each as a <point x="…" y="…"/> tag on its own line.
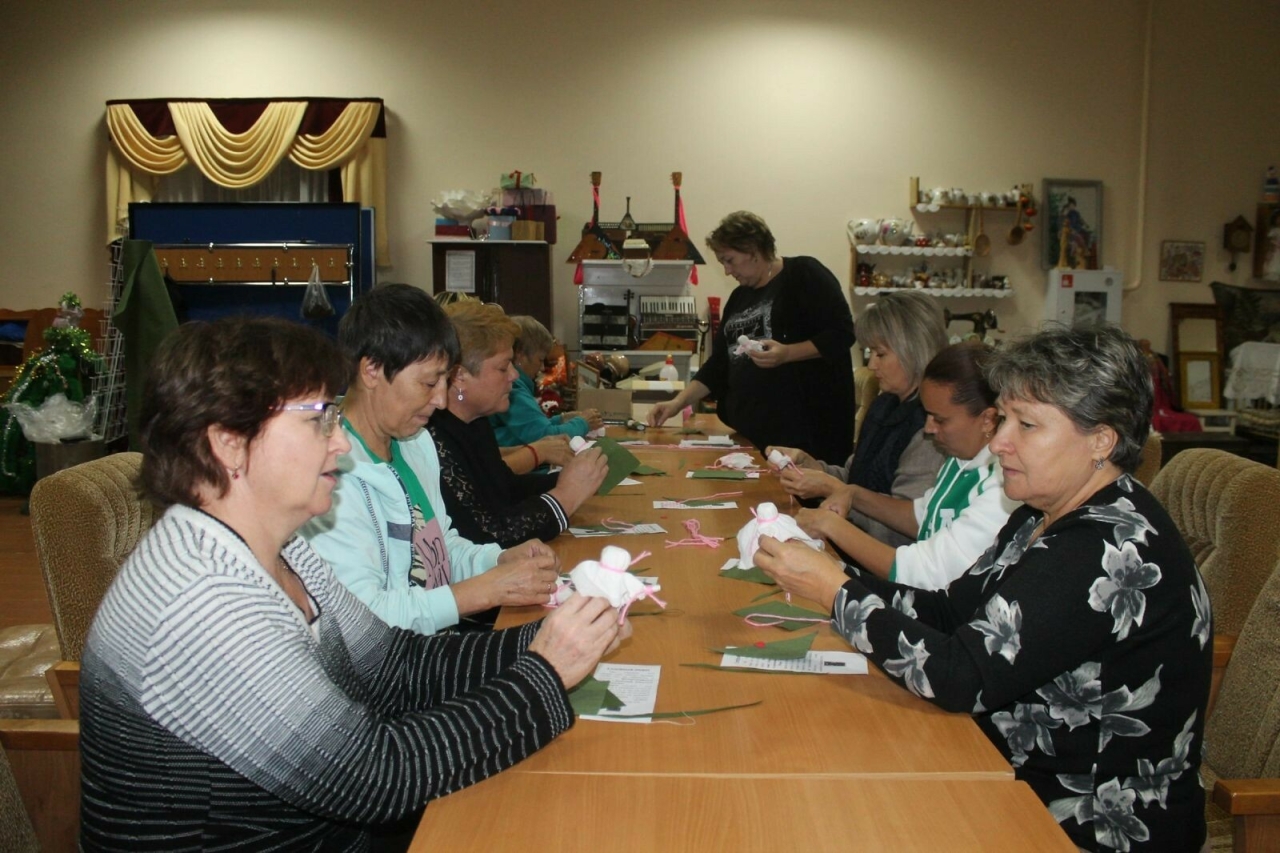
<point x="515" y="811"/>
<point x="806" y="725"/>
<point x="825" y="762"/>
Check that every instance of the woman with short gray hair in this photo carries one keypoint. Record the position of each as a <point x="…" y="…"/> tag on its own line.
<point x="1082" y="640"/>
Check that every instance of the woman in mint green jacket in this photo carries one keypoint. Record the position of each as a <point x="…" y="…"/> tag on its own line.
<point x="388" y="536"/>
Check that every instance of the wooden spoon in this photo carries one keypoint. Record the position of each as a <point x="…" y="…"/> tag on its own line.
<point x="1016" y="232"/>
<point x="981" y="243"/>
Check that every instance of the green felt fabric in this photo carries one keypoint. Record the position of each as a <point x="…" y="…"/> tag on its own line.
<point x="751" y="574"/>
<point x="622" y="463"/>
<point x="783" y="610"/>
<point x="592" y="696"/>
<point x="719" y="474"/>
<point x="793" y="648"/>
<point x="649" y="471"/>
<point x="144" y="315"/>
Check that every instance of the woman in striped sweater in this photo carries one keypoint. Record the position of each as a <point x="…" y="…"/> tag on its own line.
<point x="234" y="694"/>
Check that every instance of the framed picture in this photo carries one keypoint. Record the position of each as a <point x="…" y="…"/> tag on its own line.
<point x="1200" y="380"/>
<point x="1072" y="224"/>
<point x="1266" y="243"/>
<point x="1181" y="260"/>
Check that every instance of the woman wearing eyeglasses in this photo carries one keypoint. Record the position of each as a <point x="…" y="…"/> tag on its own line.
<point x="234" y="694"/>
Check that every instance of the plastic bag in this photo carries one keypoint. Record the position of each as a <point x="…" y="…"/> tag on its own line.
<point x="462" y="206"/>
<point x="56" y="419"/>
<point x="315" y="302"/>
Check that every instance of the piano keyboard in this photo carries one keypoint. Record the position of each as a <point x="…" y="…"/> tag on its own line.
<point x="671" y="312"/>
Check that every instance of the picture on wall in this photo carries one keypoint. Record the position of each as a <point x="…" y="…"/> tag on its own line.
<point x="1181" y="260"/>
<point x="1266" y="243"/>
<point x="1073" y="224"/>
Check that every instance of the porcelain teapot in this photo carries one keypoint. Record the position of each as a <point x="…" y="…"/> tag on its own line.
<point x="896" y="232"/>
<point x="864" y="232"/>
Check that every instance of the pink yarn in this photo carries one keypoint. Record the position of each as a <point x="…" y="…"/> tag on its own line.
<point x="685" y="503"/>
<point x="695" y="537"/>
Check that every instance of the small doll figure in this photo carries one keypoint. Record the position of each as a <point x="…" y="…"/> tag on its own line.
<point x="608" y="578"/>
<point x="780" y="460"/>
<point x="736" y="461"/>
<point x="769" y="522"/>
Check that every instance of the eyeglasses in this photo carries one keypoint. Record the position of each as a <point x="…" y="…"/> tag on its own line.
<point x="330" y="414"/>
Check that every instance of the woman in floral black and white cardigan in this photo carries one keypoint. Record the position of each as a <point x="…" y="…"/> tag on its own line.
<point x="1081" y="641"/>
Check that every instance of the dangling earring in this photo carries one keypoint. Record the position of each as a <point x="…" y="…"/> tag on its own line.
<point x="1098" y="463"/>
<point x="235" y="473"/>
<point x="459" y="395"/>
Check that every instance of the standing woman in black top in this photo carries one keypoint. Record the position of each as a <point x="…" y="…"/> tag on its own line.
<point x="796" y="390"/>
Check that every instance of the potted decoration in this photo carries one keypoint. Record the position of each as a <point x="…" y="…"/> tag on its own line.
<point x="49" y="401"/>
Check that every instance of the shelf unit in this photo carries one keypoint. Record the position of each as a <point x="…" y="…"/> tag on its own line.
<point x="952" y="292"/>
<point x="515" y="274"/>
<point x="964" y="254"/>
<point x="609" y="316"/>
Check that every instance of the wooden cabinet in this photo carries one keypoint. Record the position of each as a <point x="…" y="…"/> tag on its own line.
<point x="515" y="274"/>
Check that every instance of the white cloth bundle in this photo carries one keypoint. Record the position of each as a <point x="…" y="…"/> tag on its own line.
<point x="608" y="578"/>
<point x="746" y="345"/>
<point x="780" y="460"/>
<point x="769" y="522"/>
<point x="736" y="461"/>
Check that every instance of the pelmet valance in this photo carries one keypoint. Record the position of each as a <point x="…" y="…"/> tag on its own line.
<point x="236" y="143"/>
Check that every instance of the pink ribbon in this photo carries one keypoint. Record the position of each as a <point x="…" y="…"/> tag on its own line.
<point x="695" y="537"/>
<point x="718" y="466"/>
<point x="685" y="503"/>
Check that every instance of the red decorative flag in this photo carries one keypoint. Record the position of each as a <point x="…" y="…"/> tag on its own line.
<point x="680" y="220"/>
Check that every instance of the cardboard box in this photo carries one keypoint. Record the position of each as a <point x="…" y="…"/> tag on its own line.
<point x="611" y="403"/>
<point x="523" y="229"/>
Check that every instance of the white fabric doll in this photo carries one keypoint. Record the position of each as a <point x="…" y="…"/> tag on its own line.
<point x="746" y="345"/>
<point x="608" y="578"/>
<point x="769" y="522"/>
<point x="780" y="460"/>
<point x="736" y="461"/>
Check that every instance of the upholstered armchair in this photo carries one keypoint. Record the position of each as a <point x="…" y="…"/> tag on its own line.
<point x="1225" y="508"/>
<point x="16" y="832"/>
<point x="1149" y="462"/>
<point x="865" y="389"/>
<point x="39" y="785"/>
<point x="1241" y="768"/>
<point x="86" y="520"/>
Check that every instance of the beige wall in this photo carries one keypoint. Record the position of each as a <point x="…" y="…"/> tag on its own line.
<point x="810" y="113"/>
